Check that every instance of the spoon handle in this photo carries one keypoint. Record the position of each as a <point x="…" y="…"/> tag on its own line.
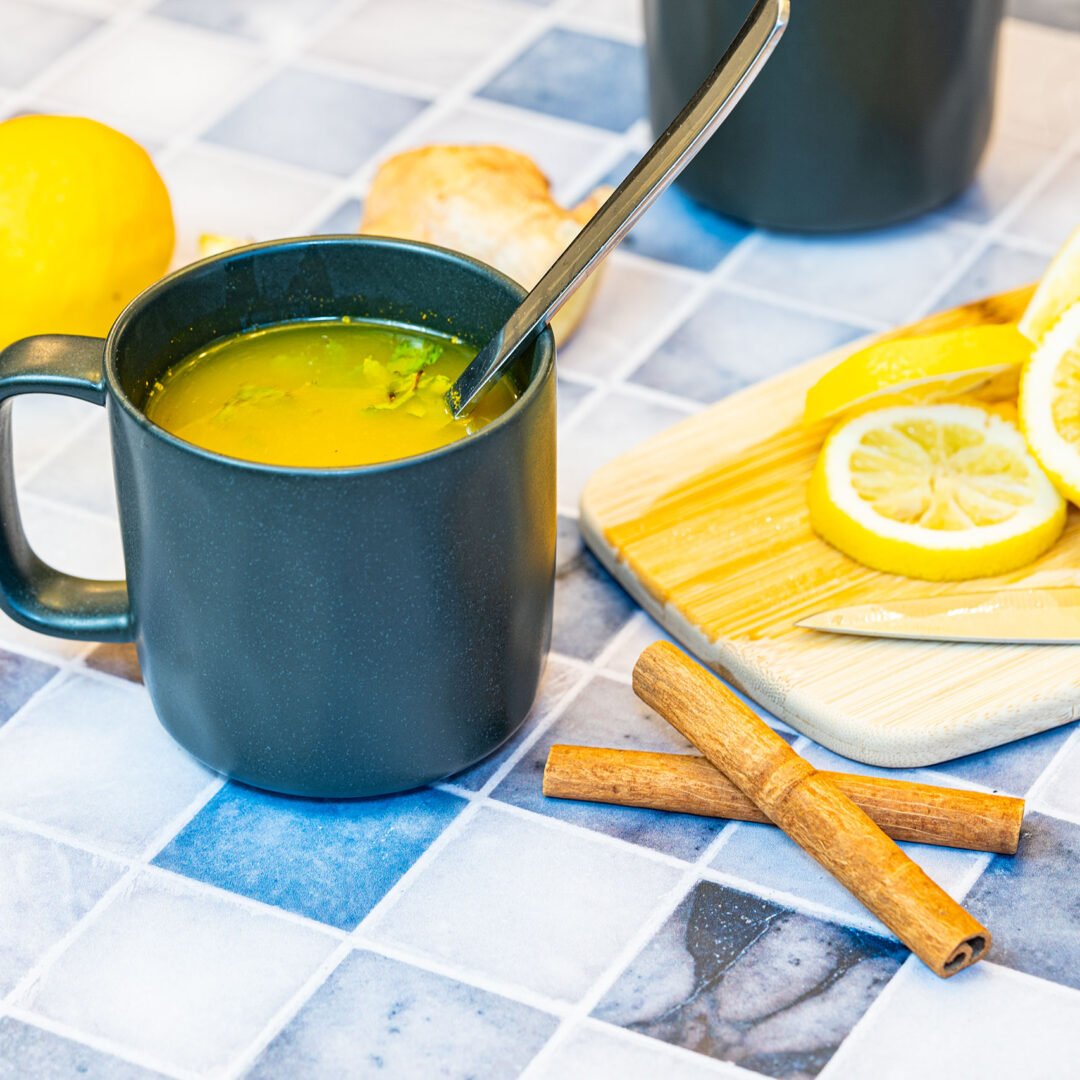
<point x="668" y="156"/>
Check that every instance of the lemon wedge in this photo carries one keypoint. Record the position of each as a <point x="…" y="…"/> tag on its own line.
<point x="1058" y="290"/>
<point x="941" y="492"/>
<point x="980" y="361"/>
<point x="1050" y="403"/>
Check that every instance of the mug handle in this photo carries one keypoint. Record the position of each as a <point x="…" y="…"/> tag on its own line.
<point x="32" y="592"/>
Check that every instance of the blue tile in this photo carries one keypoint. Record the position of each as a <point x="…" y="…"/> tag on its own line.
<point x="45" y="889"/>
<point x="266" y="20"/>
<point x="316" y="121"/>
<point x="32" y="36"/>
<point x="27" y="1051"/>
<point x="589" y="606"/>
<point x="330" y="861"/>
<point x="1031" y="902"/>
<point x="379" y="1016"/>
<point x="20" y="679"/>
<point x="744" y="980"/>
<point x="730" y="342"/>
<point x="576" y="76"/>
<point x="607" y="713"/>
<point x="679" y="230"/>
<point x="345" y="219"/>
<point x="1012" y="768"/>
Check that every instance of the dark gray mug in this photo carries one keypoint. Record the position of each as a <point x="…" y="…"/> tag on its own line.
<point x="870" y="111"/>
<point x="322" y="632"/>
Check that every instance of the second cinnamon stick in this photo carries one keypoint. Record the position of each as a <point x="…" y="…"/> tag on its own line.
<point x="811" y="810"/>
<point x="688" y="784"/>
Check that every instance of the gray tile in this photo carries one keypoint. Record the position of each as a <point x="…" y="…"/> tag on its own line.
<point x="882" y="274"/>
<point x="27" y="1051"/>
<point x="316" y="121"/>
<point x="589" y="606"/>
<point x="1010" y="769"/>
<point x="558" y="679"/>
<point x="997" y="269"/>
<point x="20" y="679"/>
<point x="732" y="341"/>
<point x="607" y="713"/>
<point x="571" y="395"/>
<point x="376" y="1015"/>
<point x="1064" y="14"/>
<point x="32" y="36"/>
<point x="744" y="980"/>
<point x="1030" y="901"/>
<point x="276" y="21"/>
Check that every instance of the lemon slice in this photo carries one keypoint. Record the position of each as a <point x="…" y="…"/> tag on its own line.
<point x="1058" y="290"/>
<point x="1050" y="403"/>
<point x="942" y="492"/>
<point x="982" y="361"/>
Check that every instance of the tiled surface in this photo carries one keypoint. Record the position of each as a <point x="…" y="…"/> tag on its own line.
<point x="155" y="921"/>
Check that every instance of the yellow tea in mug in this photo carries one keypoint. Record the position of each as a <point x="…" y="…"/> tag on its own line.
<point x="326" y="393"/>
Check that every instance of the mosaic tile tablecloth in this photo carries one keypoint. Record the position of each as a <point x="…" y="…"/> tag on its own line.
<point x="155" y="920"/>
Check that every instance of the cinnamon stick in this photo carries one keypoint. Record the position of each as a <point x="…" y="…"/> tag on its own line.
<point x="688" y="784"/>
<point x="811" y="810"/>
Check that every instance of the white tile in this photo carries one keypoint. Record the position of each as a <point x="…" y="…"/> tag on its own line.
<point x="598" y="1052"/>
<point x="986" y="1021"/>
<point x="41" y="422"/>
<point x="614" y="424"/>
<point x="764" y="855"/>
<point x="32" y="36"/>
<point x="90" y="757"/>
<point x="527" y="904"/>
<point x="879" y="275"/>
<point x="186" y="976"/>
<point x="45" y="888"/>
<point x="1055" y="211"/>
<point x="86" y="545"/>
<point x="81" y="474"/>
<point x="1061" y="789"/>
<point x="1038" y="91"/>
<point x="625" y="17"/>
<point x="631" y="303"/>
<point x="215" y="191"/>
<point x="1010" y="162"/>
<point x="447" y="39"/>
<point x="155" y="78"/>
<point x="563" y="153"/>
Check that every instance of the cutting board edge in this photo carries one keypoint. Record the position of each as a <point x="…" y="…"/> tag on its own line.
<point x="891" y="751"/>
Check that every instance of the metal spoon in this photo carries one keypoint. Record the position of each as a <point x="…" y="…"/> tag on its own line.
<point x="669" y="155"/>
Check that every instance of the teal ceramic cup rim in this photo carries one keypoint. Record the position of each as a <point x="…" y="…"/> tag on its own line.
<point x="543" y="350"/>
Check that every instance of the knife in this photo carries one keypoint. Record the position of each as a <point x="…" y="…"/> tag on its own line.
<point x="1017" y="616"/>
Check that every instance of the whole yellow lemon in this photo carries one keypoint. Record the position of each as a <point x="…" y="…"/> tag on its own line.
<point x="85" y="225"/>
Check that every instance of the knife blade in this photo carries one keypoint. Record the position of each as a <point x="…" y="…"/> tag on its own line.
<point x="1016" y="616"/>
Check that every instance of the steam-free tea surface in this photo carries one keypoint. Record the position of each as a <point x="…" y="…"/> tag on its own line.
<point x="707" y="526"/>
<point x="327" y="393"/>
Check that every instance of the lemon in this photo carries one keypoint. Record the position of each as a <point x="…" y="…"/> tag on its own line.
<point x="85" y="225"/>
<point x="1050" y="403"/>
<point x="941" y="492"/>
<point x="1058" y="290"/>
<point x="981" y="361"/>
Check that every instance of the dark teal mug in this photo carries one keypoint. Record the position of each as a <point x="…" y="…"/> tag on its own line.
<point x="321" y="632"/>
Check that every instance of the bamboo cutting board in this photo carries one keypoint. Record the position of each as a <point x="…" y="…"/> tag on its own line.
<point x="706" y="526"/>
